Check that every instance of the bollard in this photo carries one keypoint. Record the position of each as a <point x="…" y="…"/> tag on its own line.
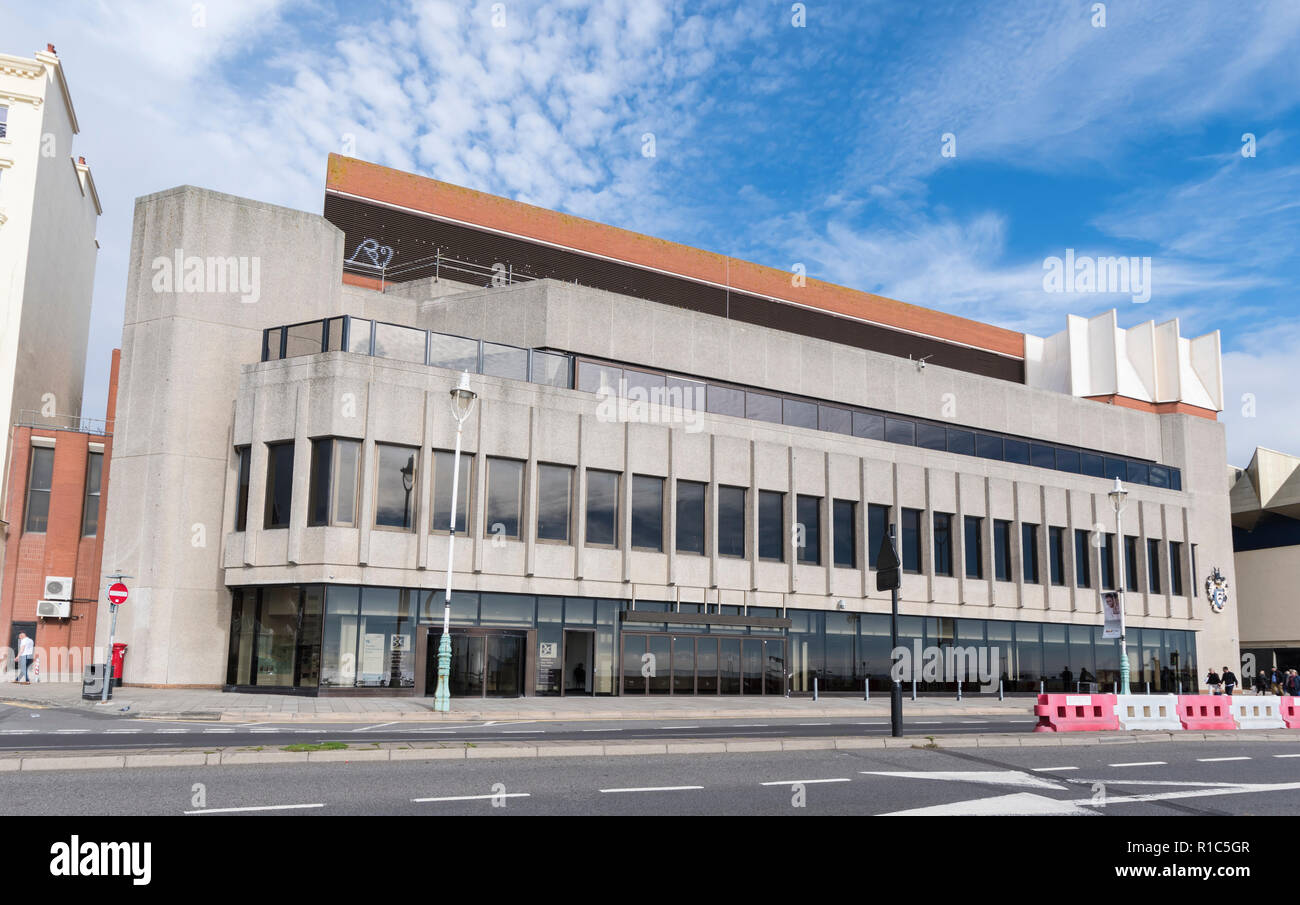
<point x="814" y="688"/>
<point x="866" y="689"/>
<point x="913" y="688"/>
<point x="1180" y="686"/>
<point x="1000" y="690"/>
<point x="1148" y="688"/>
<point x="1042" y="687"/>
<point x="959" y="689"/>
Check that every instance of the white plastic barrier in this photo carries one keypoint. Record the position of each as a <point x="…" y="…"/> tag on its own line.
<point x="1147" y="711"/>
<point x="1257" y="712"/>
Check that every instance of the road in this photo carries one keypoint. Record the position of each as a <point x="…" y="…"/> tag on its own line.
<point x="1157" y="778"/>
<point x="30" y="729"/>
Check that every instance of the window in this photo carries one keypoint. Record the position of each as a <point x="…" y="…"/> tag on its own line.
<point x="877" y="530"/>
<point x="1029" y="552"/>
<point x="505" y="492"/>
<point x="942" y="543"/>
<point x="4" y="120"/>
<point x="1131" y="563"/>
<point x="731" y="521"/>
<point x="771" y="525"/>
<point x="1082" y="552"/>
<point x="279" y="484"/>
<point x="648" y="513"/>
<point x="1153" y="565"/>
<point x="911" y="540"/>
<point x="808" y="518"/>
<point x="690" y="517"/>
<point x="602" y="508"/>
<point x="39" y="482"/>
<point x="1176" y="568"/>
<point x="90" y="508"/>
<point x="1056" y="555"/>
<point x="1001" y="550"/>
<point x="974" y="547"/>
<point x="395" y="480"/>
<point x="244" y="456"/>
<point x="554" y="502"/>
<point x="444" y="463"/>
<point x="1108" y="563"/>
<point x="332" y="498"/>
<point x="844" y="514"/>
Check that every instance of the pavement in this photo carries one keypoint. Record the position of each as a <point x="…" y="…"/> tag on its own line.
<point x="214" y="704"/>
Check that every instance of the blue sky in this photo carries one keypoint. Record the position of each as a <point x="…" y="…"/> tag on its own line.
<point x="818" y="145"/>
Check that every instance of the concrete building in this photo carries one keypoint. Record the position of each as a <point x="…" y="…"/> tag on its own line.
<point x="1265" y="499"/>
<point x="677" y="477"/>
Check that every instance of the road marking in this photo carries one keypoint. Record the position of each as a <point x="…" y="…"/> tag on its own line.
<point x="377" y="726"/>
<point x="653" y="789"/>
<point x="677" y="727"/>
<point x="264" y="807"/>
<point x="989" y="777"/>
<point x="602" y="730"/>
<point x="1216" y="760"/>
<point x="205" y="730"/>
<point x="748" y="725"/>
<point x="1286" y="755"/>
<point x="476" y="797"/>
<point x="71" y="730"/>
<point x="1142" y="763"/>
<point x="972" y="722"/>
<point x="122" y="731"/>
<point x="175" y="731"/>
<point x="1020" y="803"/>
<point x="926" y="722"/>
<point x="16" y="731"/>
<point x="1052" y="769"/>
<point x="523" y="731"/>
<point x="804" y="782"/>
<point x="814" y="724"/>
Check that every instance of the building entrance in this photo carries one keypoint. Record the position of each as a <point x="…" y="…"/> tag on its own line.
<point x="484" y="664"/>
<point x="579" y="656"/>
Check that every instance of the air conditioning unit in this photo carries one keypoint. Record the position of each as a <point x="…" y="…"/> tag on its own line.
<point x="53" y="609"/>
<point x="57" y="588"/>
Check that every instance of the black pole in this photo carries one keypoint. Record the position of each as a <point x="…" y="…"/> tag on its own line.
<point x="896" y="692"/>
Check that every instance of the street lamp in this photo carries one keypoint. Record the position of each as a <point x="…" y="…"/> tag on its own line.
<point x="462" y="403"/>
<point x="1118" y="499"/>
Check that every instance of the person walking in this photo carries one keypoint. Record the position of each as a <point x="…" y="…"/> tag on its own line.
<point x="1275" y="681"/>
<point x="1291" y="686"/>
<point x="1214" y="681"/>
<point x="1229" y="681"/>
<point x="26" y="650"/>
<point x="1261" y="683"/>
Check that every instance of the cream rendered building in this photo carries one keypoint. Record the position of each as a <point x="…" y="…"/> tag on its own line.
<point x="1265" y="499"/>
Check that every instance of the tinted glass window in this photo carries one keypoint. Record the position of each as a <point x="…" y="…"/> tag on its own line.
<point x="454" y="352"/>
<point x="911" y="540"/>
<point x="505" y="361"/>
<point x="1001" y="550"/>
<point x="974" y="547"/>
<point x="942" y="543"/>
<point x="831" y="418"/>
<point x="1091" y="464"/>
<point x="1158" y="476"/>
<point x="808" y="513"/>
<point x="1067" y="460"/>
<point x="1116" y="468"/>
<point x="771" y="525"/>
<point x="762" y="407"/>
<point x="798" y="414"/>
<point x="988" y="446"/>
<point x="1015" y="451"/>
<point x="347" y="461"/>
<point x="443" y="465"/>
<point x="690" y="516"/>
<point x="400" y="343"/>
<point x="731" y="521"/>
<point x="359" y="336"/>
<point x="505" y="483"/>
<point x="931" y="436"/>
<point x="648" y="512"/>
<point x="1056" y="554"/>
<point x="39" y="484"/>
<point x="1029" y="552"/>
<point x="244" y="455"/>
<point x="395" y="479"/>
<point x="962" y="442"/>
<point x="900" y="431"/>
<point x="279" y="484"/>
<point x="1082" y="559"/>
<point x="1153" y="565"/>
<point x="868" y="426"/>
<point x="1042" y="456"/>
<point x="725" y="400"/>
<point x="845" y="530"/>
<point x="602" y="508"/>
<point x="1131" y="565"/>
<point x="551" y="370"/>
<point x="1137" y="472"/>
<point x="554" y="497"/>
<point x="596" y="378"/>
<point x="318" y="500"/>
<point x="877" y="530"/>
<point x="306" y="339"/>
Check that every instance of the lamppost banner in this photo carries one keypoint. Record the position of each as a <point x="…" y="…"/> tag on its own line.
<point x="1110" y="606"/>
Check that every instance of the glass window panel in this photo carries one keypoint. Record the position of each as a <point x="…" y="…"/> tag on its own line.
<point x="359" y="336"/>
<point x="464" y="607"/>
<point x="877" y="530"/>
<point x="602" y="508"/>
<point x="845" y="533"/>
<point x="911" y="540"/>
<point x="443" y="466"/>
<point x="834" y="418"/>
<point x="988" y="446"/>
<point x="731" y="521"/>
<point x="594" y="377"/>
<point x="1153" y="565"/>
<point x="974" y="546"/>
<point x="505" y="479"/>
<point x="39" y="484"/>
<point x="1158" y="476"/>
<point x="1029" y="552"/>
<point x="1041" y="456"/>
<point x="942" y="543"/>
<point x="1016" y="451"/>
<point x="454" y="352"/>
<point x="1056" y="555"/>
<point x="1082" y="559"/>
<point x="798" y="414"/>
<point x="277" y="636"/>
<point x="1137" y="472"/>
<point x="271" y="344"/>
<point x="1176" y="478"/>
<point x="1067" y="460"/>
<point x="1116" y="468"/>
<point x="338" y="666"/>
<point x="1176" y="568"/>
<point x="335" y="340"/>
<point x="243" y="466"/>
<point x="962" y="442"/>
<point x="690" y="516"/>
<point x="505" y="361"/>
<point x="304" y="339"/>
<point x="1107" y="553"/>
<point x="505" y="609"/>
<point x="685" y="394"/>
<point x="347" y="461"/>
<point x="808" y="513"/>
<point x="660" y="649"/>
<point x="400" y="343"/>
<point x="90" y="505"/>
<point x="683" y="665"/>
<point x="386" y="655"/>
<point x="551" y="369"/>
<point x="550" y="610"/>
<point x="648" y="512"/>
<point x="634" y="649"/>
<point x="931" y="436"/>
<point x="279" y="484"/>
<point x="762" y="407"/>
<point x="580" y="611"/>
<point x="1092" y="464"/>
<point x="648" y="385"/>
<point x="897" y="431"/>
<point x="554" y="499"/>
<point x="318" y="491"/>
<point x="397" y="471"/>
<point x="868" y="426"/>
<point x="706" y="666"/>
<point x="1131" y="564"/>
<point x="725" y="400"/>
<point x="771" y="525"/>
<point x="1001" y="550"/>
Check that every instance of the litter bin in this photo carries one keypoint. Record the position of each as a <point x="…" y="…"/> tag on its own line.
<point x="119" y="657"/>
<point x="92" y="682"/>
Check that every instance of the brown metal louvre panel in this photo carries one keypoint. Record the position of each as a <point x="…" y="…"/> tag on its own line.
<point x="416" y="240"/>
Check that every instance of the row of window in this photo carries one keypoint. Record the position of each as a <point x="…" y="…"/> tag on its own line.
<point x="334" y="488"/>
<point x="40" y="486"/>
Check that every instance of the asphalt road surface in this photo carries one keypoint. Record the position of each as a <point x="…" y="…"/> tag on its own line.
<point x="28" y="729"/>
<point x="1227" y="778"/>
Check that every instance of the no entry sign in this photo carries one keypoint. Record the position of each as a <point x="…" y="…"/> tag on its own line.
<point x="117" y="594"/>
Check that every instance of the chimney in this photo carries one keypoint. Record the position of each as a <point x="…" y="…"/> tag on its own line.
<point x="50" y="48"/>
<point x="81" y="160"/>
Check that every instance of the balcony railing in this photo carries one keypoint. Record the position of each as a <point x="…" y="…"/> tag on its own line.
<point x="34" y="418"/>
<point x="373" y="260"/>
<point x="399" y="343"/>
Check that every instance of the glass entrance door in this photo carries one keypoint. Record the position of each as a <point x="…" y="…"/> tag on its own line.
<point x="483" y="663"/>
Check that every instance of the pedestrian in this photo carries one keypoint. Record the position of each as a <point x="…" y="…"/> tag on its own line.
<point x="1275" y="681"/>
<point x="1292" y="684"/>
<point x="1261" y="683"/>
<point x="1229" y="681"/>
<point x="1214" y="681"/>
<point x="26" y="650"/>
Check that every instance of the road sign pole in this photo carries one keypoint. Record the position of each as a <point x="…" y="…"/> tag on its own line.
<point x="108" y="655"/>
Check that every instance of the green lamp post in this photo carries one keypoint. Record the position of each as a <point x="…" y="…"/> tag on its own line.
<point x="1118" y="499"/>
<point x="462" y="403"/>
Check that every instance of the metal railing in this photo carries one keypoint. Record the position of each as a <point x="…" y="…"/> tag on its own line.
<point x="34" y="418"/>
<point x="373" y="260"/>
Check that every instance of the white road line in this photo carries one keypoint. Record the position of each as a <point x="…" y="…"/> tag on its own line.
<point x="814" y="724"/>
<point x="676" y="727"/>
<point x="377" y="726"/>
<point x="174" y="731"/>
<point x="265" y="807"/>
<point x="71" y="730"/>
<point x="972" y="722"/>
<point x="523" y="731"/>
<point x="602" y="730"/>
<point x="1142" y="763"/>
<point x="804" y="782"/>
<point x="205" y="730"/>
<point x="1286" y="755"/>
<point x="122" y="731"/>
<point x="653" y="789"/>
<point x="476" y="797"/>
<point x="748" y="725"/>
<point x="1216" y="760"/>
<point x="1052" y="769"/>
<point x="16" y="731"/>
<point x="926" y="722"/>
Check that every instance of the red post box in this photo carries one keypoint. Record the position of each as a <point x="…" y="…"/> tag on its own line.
<point x="119" y="655"/>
